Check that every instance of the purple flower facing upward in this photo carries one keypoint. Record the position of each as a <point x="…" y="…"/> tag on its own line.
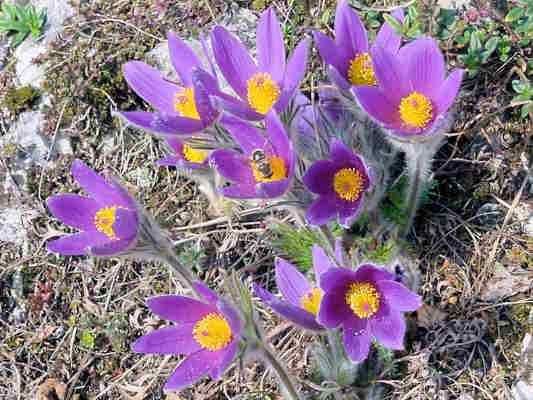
<point x="349" y="55"/>
<point x="265" y="167"/>
<point x="181" y="108"/>
<point x="301" y="298"/>
<point x="185" y="156"/>
<point x="340" y="184"/>
<point x="208" y="334"/>
<point x="413" y="94"/>
<point x="108" y="220"/>
<point x="368" y="304"/>
<point x="271" y="83"/>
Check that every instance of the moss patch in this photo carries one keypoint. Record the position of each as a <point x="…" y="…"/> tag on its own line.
<point x="17" y="100"/>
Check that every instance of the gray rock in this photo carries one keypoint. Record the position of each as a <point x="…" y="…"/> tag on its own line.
<point x="13" y="225"/>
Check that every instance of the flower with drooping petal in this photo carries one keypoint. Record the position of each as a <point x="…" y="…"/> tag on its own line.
<point x="367" y="303"/>
<point x="207" y="333"/>
<point x="185" y="156"/>
<point x="340" y="184"/>
<point x="181" y="107"/>
<point x="271" y="83"/>
<point x="414" y="94"/>
<point x="301" y="298"/>
<point x="264" y="168"/>
<point x="350" y="54"/>
<point x="108" y="220"/>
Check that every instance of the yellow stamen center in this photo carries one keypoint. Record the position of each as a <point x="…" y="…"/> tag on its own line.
<point x="185" y="105"/>
<point x="348" y="184"/>
<point x="311" y="301"/>
<point x="363" y="299"/>
<point x="361" y="71"/>
<point x="263" y="92"/>
<point x="194" y="155"/>
<point x="212" y="332"/>
<point x="269" y="170"/>
<point x="416" y="110"/>
<point x="104" y="220"/>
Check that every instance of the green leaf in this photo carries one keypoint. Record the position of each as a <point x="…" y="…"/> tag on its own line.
<point x="394" y="23"/>
<point x="87" y="339"/>
<point x="518" y="86"/>
<point x="475" y="43"/>
<point x="19" y="38"/>
<point x="514" y="14"/>
<point x="524" y="110"/>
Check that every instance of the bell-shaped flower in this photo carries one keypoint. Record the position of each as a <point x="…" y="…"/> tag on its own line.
<point x="180" y="107"/>
<point x="340" y="183"/>
<point x="414" y="94"/>
<point x="185" y="156"/>
<point x="265" y="167"/>
<point x="207" y="334"/>
<point x="368" y="303"/>
<point x="349" y="56"/>
<point x="108" y="220"/>
<point x="268" y="84"/>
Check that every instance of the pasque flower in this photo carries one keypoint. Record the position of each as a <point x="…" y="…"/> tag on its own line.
<point x="180" y="107"/>
<point x="108" y="220"/>
<point x="271" y="83"/>
<point x="367" y="303"/>
<point x="301" y="298"/>
<point x="185" y="156"/>
<point x="208" y="334"/>
<point x="340" y="184"/>
<point x="265" y="166"/>
<point x="414" y="94"/>
<point x="349" y="55"/>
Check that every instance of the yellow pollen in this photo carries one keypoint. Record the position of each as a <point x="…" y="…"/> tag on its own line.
<point x="361" y="71"/>
<point x="263" y="92"/>
<point x="104" y="220"/>
<point x="185" y="105"/>
<point x="348" y="184"/>
<point x="212" y="332"/>
<point x="363" y="299"/>
<point x="311" y="301"/>
<point x="194" y="155"/>
<point x="416" y="110"/>
<point x="270" y="170"/>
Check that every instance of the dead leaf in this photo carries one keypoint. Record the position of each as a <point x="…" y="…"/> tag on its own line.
<point x="51" y="389"/>
<point x="506" y="282"/>
<point x="429" y="316"/>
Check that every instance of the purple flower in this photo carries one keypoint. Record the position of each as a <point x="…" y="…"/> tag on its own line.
<point x="181" y="108"/>
<point x="207" y="333"/>
<point x="349" y="55"/>
<point x="185" y="156"/>
<point x="108" y="220"/>
<point x="301" y="297"/>
<point x="340" y="184"/>
<point x="271" y="83"/>
<point x="413" y="94"/>
<point x="265" y="167"/>
<point x="368" y="303"/>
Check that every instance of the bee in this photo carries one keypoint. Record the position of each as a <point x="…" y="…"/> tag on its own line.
<point x="261" y="163"/>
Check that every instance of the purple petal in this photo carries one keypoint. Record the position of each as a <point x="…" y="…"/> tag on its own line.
<point x="348" y="215"/>
<point x="321" y="211"/>
<point x="204" y="85"/>
<point x="294" y="74"/>
<point x="319" y="177"/>
<point x="77" y="244"/>
<point x="338" y="78"/>
<point x="391" y="74"/>
<point x="278" y="136"/>
<point x="321" y="262"/>
<point x="350" y="33"/>
<point x="231" y="315"/>
<point x="333" y="309"/>
<point x="389" y="330"/>
<point x="192" y="369"/>
<point x="179" y="308"/>
<point x="247" y="136"/>
<point x="270" y="45"/>
<point x="370" y="273"/>
<point x="148" y="83"/>
<point x="209" y="295"/>
<point x="446" y="94"/>
<point x="237" y="107"/>
<point x="292" y="284"/>
<point x="387" y="37"/>
<point x="233" y="59"/>
<point x="356" y="339"/>
<point x="270" y="190"/>
<point x="165" y="124"/>
<point x="182" y="57"/>
<point x="112" y="248"/>
<point x="169" y="340"/>
<point x="228" y="354"/>
<point x="169" y="161"/>
<point x="327" y="49"/>
<point x="398" y="296"/>
<point x="126" y="223"/>
<point x="240" y="192"/>
<point x="378" y="105"/>
<point x="74" y="210"/>
<point x="334" y="279"/>
<point x="233" y="166"/>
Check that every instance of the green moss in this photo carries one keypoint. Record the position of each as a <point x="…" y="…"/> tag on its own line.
<point x="520" y="314"/>
<point x="19" y="99"/>
<point x="259" y="5"/>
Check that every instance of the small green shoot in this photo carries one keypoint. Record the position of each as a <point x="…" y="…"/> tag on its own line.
<point x="524" y="92"/>
<point x="21" y="21"/>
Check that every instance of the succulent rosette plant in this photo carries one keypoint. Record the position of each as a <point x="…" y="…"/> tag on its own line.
<point x="368" y="303"/>
<point x="180" y="107"/>
<point x="268" y="84"/>
<point x="184" y="156"/>
<point x="340" y="184"/>
<point x="349" y="56"/>
<point x="413" y="93"/>
<point x="301" y="297"/>
<point x="108" y="220"/>
<point x="207" y="334"/>
<point x="264" y="168"/>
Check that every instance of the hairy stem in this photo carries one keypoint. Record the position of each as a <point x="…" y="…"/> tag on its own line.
<point x="184" y="275"/>
<point x="417" y="173"/>
<point x="287" y="386"/>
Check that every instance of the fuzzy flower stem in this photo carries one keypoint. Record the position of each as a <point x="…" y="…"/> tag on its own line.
<point x="287" y="387"/>
<point x="328" y="238"/>
<point x="416" y="177"/>
<point x="184" y="275"/>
